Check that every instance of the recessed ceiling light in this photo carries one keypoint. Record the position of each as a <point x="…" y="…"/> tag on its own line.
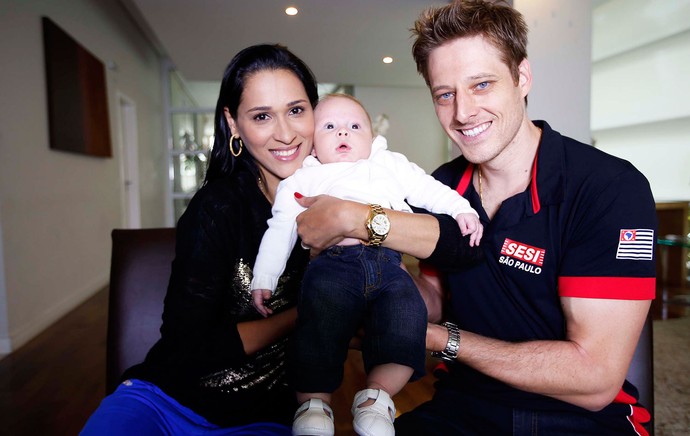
<point x="291" y="10"/>
<point x="387" y="60"/>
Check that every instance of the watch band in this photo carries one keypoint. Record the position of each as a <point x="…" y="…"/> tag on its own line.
<point x="450" y="353"/>
<point x="375" y="239"/>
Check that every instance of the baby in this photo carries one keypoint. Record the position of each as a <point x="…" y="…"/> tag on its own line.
<point x="355" y="283"/>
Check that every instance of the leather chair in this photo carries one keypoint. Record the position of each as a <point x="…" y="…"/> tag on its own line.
<point x="139" y="273"/>
<point x="641" y="371"/>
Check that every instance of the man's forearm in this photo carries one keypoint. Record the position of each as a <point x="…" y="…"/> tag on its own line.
<point x="558" y="369"/>
<point x="586" y="369"/>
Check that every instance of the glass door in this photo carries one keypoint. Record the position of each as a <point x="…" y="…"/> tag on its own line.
<point x="192" y="140"/>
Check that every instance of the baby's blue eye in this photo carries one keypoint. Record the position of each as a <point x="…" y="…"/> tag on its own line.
<point x="330" y="126"/>
<point x="355" y="126"/>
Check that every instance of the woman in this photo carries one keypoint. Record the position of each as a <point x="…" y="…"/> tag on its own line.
<point x="219" y="366"/>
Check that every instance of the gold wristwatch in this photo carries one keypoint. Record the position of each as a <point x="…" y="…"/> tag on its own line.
<point x="378" y="225"/>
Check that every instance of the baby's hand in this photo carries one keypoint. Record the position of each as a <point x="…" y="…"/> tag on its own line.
<point x="470" y="225"/>
<point x="258" y="298"/>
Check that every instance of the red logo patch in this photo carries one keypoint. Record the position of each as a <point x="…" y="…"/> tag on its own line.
<point x="523" y="252"/>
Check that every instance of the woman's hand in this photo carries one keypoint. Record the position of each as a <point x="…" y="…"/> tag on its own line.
<point x="328" y="220"/>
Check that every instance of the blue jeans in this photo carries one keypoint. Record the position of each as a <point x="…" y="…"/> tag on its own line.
<point x="348" y="287"/>
<point x="451" y="413"/>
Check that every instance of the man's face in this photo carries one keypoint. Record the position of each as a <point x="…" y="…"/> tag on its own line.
<point x="478" y="103"/>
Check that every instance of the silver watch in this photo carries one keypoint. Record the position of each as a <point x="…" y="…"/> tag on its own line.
<point x="450" y="353"/>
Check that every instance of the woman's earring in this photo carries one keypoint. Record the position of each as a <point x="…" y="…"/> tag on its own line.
<point x="232" y="150"/>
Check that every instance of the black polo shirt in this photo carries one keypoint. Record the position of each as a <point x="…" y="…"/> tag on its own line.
<point x="585" y="227"/>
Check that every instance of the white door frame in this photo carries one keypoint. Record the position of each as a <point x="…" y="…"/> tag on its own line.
<point x="129" y="162"/>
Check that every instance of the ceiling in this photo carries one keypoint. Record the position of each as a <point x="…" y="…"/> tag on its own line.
<point x="343" y="41"/>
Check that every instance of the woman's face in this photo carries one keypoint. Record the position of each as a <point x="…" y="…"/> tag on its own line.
<point x="276" y="123"/>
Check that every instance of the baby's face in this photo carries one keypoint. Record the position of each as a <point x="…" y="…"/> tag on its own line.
<point x="343" y="131"/>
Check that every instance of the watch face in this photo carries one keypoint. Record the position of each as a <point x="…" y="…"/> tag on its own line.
<point x="380" y="225"/>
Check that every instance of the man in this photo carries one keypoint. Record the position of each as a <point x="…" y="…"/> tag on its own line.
<point x="543" y="330"/>
<point x="553" y="316"/>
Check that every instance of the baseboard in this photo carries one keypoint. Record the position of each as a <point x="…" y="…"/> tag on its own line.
<point x="25" y="333"/>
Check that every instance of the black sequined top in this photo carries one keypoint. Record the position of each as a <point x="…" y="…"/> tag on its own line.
<point x="200" y="360"/>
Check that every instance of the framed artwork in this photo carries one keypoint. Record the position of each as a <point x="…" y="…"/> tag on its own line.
<point x="77" y="95"/>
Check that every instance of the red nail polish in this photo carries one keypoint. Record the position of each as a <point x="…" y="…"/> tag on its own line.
<point x="298" y="195"/>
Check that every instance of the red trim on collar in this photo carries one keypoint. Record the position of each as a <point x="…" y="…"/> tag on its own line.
<point x="465" y="180"/>
<point x="536" y="205"/>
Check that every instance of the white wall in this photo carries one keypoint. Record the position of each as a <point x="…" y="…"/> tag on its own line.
<point x="57" y="209"/>
<point x="414" y="129"/>
<point x="661" y="150"/>
<point x="640" y="91"/>
<point x="559" y="53"/>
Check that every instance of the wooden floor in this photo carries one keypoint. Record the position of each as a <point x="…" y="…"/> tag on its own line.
<point x="51" y="385"/>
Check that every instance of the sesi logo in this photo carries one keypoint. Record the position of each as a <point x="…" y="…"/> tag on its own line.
<point x="523" y="252"/>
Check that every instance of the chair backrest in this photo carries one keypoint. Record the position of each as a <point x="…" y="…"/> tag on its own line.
<point x="139" y="274"/>
<point x="641" y="371"/>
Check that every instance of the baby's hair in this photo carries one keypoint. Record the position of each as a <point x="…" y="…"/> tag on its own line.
<point x="351" y="98"/>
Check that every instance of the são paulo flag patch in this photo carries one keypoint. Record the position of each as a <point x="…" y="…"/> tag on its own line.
<point x="635" y="244"/>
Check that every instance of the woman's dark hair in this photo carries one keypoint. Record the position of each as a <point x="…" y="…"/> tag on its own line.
<point x="245" y="63"/>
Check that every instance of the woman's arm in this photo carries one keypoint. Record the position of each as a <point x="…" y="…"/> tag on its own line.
<point x="202" y="327"/>
<point x="435" y="238"/>
<point x="261" y="333"/>
<point x="328" y="220"/>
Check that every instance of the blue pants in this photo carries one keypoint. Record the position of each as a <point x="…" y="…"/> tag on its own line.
<point x="141" y="408"/>
<point x="343" y="289"/>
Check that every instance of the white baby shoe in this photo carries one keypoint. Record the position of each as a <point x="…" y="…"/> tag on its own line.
<point x="376" y="419"/>
<point x="313" y="417"/>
